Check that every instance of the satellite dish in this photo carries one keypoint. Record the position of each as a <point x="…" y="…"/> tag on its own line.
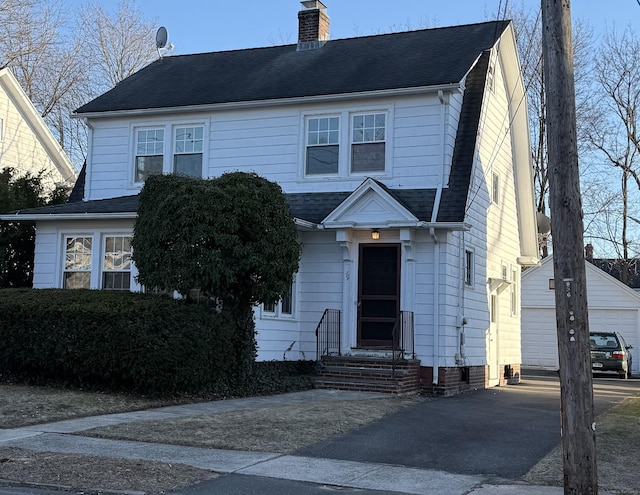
<point x="161" y="37"/>
<point x="544" y="223"/>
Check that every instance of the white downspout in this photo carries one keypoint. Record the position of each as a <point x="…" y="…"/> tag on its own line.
<point x="88" y="161"/>
<point x="436" y="305"/>
<point x="436" y="244"/>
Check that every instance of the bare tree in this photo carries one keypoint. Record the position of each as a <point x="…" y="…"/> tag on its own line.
<point x="527" y="23"/>
<point x="614" y="133"/>
<point x="62" y="62"/>
<point x="45" y="61"/>
<point x="118" y="43"/>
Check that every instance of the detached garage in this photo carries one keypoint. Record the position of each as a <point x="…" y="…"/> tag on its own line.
<point x="612" y="306"/>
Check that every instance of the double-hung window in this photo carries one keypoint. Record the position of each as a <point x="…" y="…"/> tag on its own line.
<point x="116" y="267"/>
<point x="187" y="151"/>
<point x="323" y="149"/>
<point x="149" y="153"/>
<point x="283" y="307"/>
<point x="77" y="263"/>
<point x="368" y="137"/>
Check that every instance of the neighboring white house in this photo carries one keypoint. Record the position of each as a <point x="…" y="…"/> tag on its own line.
<point x="26" y="143"/>
<point x="405" y="160"/>
<point x="612" y="306"/>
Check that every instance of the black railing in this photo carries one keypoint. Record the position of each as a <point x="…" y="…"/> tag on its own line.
<point x="328" y="334"/>
<point x="402" y="338"/>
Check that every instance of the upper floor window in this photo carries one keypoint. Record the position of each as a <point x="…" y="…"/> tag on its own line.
<point x="187" y="151"/>
<point x="323" y="149"/>
<point x="368" y="142"/>
<point x="168" y="149"/>
<point x="116" y="268"/>
<point x="77" y="263"/>
<point x="149" y="153"/>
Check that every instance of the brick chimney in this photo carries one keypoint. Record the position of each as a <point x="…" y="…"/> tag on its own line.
<point x="588" y="252"/>
<point x="313" y="25"/>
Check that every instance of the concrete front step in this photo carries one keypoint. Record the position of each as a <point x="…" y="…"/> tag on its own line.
<point x="369" y="374"/>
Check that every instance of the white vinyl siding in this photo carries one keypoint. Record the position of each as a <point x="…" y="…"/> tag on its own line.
<point x="272" y="143"/>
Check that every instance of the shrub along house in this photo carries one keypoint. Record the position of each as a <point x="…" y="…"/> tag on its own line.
<point x="405" y="160"/>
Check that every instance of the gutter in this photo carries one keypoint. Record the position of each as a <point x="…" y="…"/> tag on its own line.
<point x="44" y="217"/>
<point x="238" y="105"/>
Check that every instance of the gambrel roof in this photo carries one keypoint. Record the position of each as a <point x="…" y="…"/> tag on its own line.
<point x="413" y="59"/>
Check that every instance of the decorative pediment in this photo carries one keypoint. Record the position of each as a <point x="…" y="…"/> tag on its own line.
<point x="369" y="206"/>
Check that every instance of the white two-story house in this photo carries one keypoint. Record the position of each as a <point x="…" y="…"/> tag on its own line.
<point x="404" y="158"/>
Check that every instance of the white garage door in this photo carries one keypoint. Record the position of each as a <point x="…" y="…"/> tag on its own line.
<point x="539" y="339"/>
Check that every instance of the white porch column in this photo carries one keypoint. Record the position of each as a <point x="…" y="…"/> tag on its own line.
<point x="407" y="281"/>
<point x="348" y="336"/>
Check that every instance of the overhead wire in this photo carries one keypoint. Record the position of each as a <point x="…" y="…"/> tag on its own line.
<point x="498" y="143"/>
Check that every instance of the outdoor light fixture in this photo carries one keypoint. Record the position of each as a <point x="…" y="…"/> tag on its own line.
<point x="375" y="234"/>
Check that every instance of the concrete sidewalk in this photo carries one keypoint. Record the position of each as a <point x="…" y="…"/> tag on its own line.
<point x="65" y="437"/>
<point x="372" y="477"/>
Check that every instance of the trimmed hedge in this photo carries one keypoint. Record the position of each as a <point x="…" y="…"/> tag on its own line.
<point x="115" y="341"/>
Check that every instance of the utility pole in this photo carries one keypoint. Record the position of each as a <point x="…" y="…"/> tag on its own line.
<point x="576" y="382"/>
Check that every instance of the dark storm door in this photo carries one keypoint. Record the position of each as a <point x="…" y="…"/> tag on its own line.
<point x="378" y="294"/>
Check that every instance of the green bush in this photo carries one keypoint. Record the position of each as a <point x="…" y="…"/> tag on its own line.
<point x="119" y="341"/>
<point x="115" y="341"/>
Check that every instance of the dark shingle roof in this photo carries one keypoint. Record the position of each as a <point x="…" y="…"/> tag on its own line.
<point x="312" y="207"/>
<point x="454" y="197"/>
<point x="372" y="63"/>
<point x="626" y="271"/>
<point x="401" y="60"/>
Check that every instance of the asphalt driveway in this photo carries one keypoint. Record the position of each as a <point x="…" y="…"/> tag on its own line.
<point x="501" y="432"/>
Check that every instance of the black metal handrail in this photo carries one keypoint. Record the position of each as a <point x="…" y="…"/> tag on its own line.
<point x="402" y="338"/>
<point x="328" y="334"/>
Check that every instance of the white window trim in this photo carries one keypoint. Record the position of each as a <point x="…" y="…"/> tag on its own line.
<point x="495" y="188"/>
<point x="472" y="268"/>
<point x="344" y="156"/>
<point x="277" y="314"/>
<point x="169" y="145"/>
<point x="387" y="119"/>
<point x="305" y="122"/>
<point x="103" y="252"/>
<point x="97" y="255"/>
<point x="514" y="302"/>
<point x="61" y="265"/>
